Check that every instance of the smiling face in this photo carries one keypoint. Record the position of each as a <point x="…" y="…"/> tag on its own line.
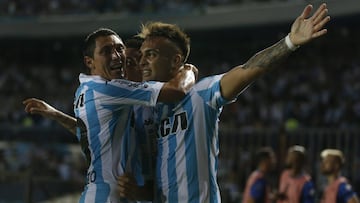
<point x="108" y="57"/>
<point x="160" y="60"/>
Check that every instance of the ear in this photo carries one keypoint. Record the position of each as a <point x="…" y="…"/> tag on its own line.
<point x="88" y="61"/>
<point x="177" y="60"/>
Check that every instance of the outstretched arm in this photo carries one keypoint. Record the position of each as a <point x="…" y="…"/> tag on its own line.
<point x="303" y="30"/>
<point x="37" y="106"/>
<point x="176" y="88"/>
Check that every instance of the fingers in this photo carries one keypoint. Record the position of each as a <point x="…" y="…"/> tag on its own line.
<point x="26" y="101"/>
<point x="319" y="23"/>
<point x="33" y="106"/>
<point x="188" y="66"/>
<point x="319" y="12"/>
<point x="321" y="16"/>
<point x="127" y="186"/>
<point x="306" y="12"/>
<point x="319" y="33"/>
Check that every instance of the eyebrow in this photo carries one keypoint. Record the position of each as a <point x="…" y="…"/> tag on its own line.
<point x="151" y="49"/>
<point x="107" y="46"/>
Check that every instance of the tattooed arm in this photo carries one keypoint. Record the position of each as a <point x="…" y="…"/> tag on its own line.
<point x="303" y="30"/>
<point x="37" y="106"/>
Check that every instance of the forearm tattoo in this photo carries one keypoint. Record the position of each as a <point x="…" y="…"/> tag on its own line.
<point x="269" y="57"/>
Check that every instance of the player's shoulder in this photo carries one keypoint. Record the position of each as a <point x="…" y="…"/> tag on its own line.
<point x="208" y="81"/>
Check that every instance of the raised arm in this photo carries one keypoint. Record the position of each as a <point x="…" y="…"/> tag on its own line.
<point x="37" y="106"/>
<point x="176" y="88"/>
<point x="303" y="30"/>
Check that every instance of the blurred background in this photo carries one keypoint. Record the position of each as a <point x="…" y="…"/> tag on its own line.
<point x="312" y="100"/>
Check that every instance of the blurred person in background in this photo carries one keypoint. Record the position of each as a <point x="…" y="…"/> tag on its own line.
<point x="258" y="189"/>
<point x="103" y="106"/>
<point x="338" y="189"/>
<point x="187" y="143"/>
<point x="295" y="184"/>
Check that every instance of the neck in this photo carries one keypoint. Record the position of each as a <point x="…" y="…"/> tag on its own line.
<point x="332" y="177"/>
<point x="295" y="171"/>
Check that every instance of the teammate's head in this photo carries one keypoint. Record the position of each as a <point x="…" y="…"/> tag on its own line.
<point x="104" y="54"/>
<point x="332" y="161"/>
<point x="265" y="159"/>
<point x="132" y="69"/>
<point x="295" y="158"/>
<point x="164" y="51"/>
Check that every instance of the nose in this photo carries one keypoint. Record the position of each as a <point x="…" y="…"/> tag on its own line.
<point x="116" y="55"/>
<point x="142" y="62"/>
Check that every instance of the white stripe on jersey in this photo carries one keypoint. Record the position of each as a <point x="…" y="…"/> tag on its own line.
<point x="188" y="145"/>
<point x="105" y="108"/>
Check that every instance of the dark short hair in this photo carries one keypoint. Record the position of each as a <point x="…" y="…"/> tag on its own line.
<point x="263" y="154"/>
<point x="90" y="40"/>
<point x="134" y="42"/>
<point x="169" y="31"/>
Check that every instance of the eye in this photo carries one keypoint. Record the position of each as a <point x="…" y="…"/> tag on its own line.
<point x="120" y="48"/>
<point x="151" y="54"/>
<point x="106" y="50"/>
<point x="130" y="62"/>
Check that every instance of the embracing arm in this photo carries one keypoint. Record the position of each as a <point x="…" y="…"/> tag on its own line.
<point x="303" y="30"/>
<point x="129" y="189"/>
<point x="176" y="88"/>
<point x="37" y="106"/>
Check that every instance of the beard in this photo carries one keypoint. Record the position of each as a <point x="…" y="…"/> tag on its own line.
<point x="326" y="172"/>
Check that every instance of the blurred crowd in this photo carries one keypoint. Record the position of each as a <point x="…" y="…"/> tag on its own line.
<point x="21" y="8"/>
<point x="316" y="87"/>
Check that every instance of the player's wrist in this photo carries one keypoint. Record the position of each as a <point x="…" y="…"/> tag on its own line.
<point x="289" y="43"/>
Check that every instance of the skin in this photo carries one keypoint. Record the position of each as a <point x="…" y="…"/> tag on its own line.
<point x="160" y="60"/>
<point x="303" y="30"/>
<point x="265" y="167"/>
<point x="133" y="70"/>
<point x="109" y="57"/>
<point x="331" y="167"/>
<point x="293" y="162"/>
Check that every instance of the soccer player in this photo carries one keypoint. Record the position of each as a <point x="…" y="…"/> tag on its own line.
<point x="257" y="189"/>
<point x="132" y="70"/>
<point x="338" y="189"/>
<point x="103" y="106"/>
<point x="295" y="184"/>
<point x="188" y="130"/>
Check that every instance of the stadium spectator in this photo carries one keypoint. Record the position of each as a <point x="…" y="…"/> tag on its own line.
<point x="258" y="188"/>
<point x="295" y="185"/>
<point x="338" y="188"/>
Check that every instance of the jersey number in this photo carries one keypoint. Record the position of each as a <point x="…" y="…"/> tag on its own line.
<point x="80" y="101"/>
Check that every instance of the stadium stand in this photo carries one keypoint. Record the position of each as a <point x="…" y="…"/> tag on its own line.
<point x="313" y="100"/>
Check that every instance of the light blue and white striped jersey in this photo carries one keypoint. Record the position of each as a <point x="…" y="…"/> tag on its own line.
<point x="103" y="110"/>
<point x="188" y="145"/>
<point x="145" y="130"/>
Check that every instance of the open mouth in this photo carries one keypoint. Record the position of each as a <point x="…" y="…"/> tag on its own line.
<point x="146" y="72"/>
<point x="117" y="66"/>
